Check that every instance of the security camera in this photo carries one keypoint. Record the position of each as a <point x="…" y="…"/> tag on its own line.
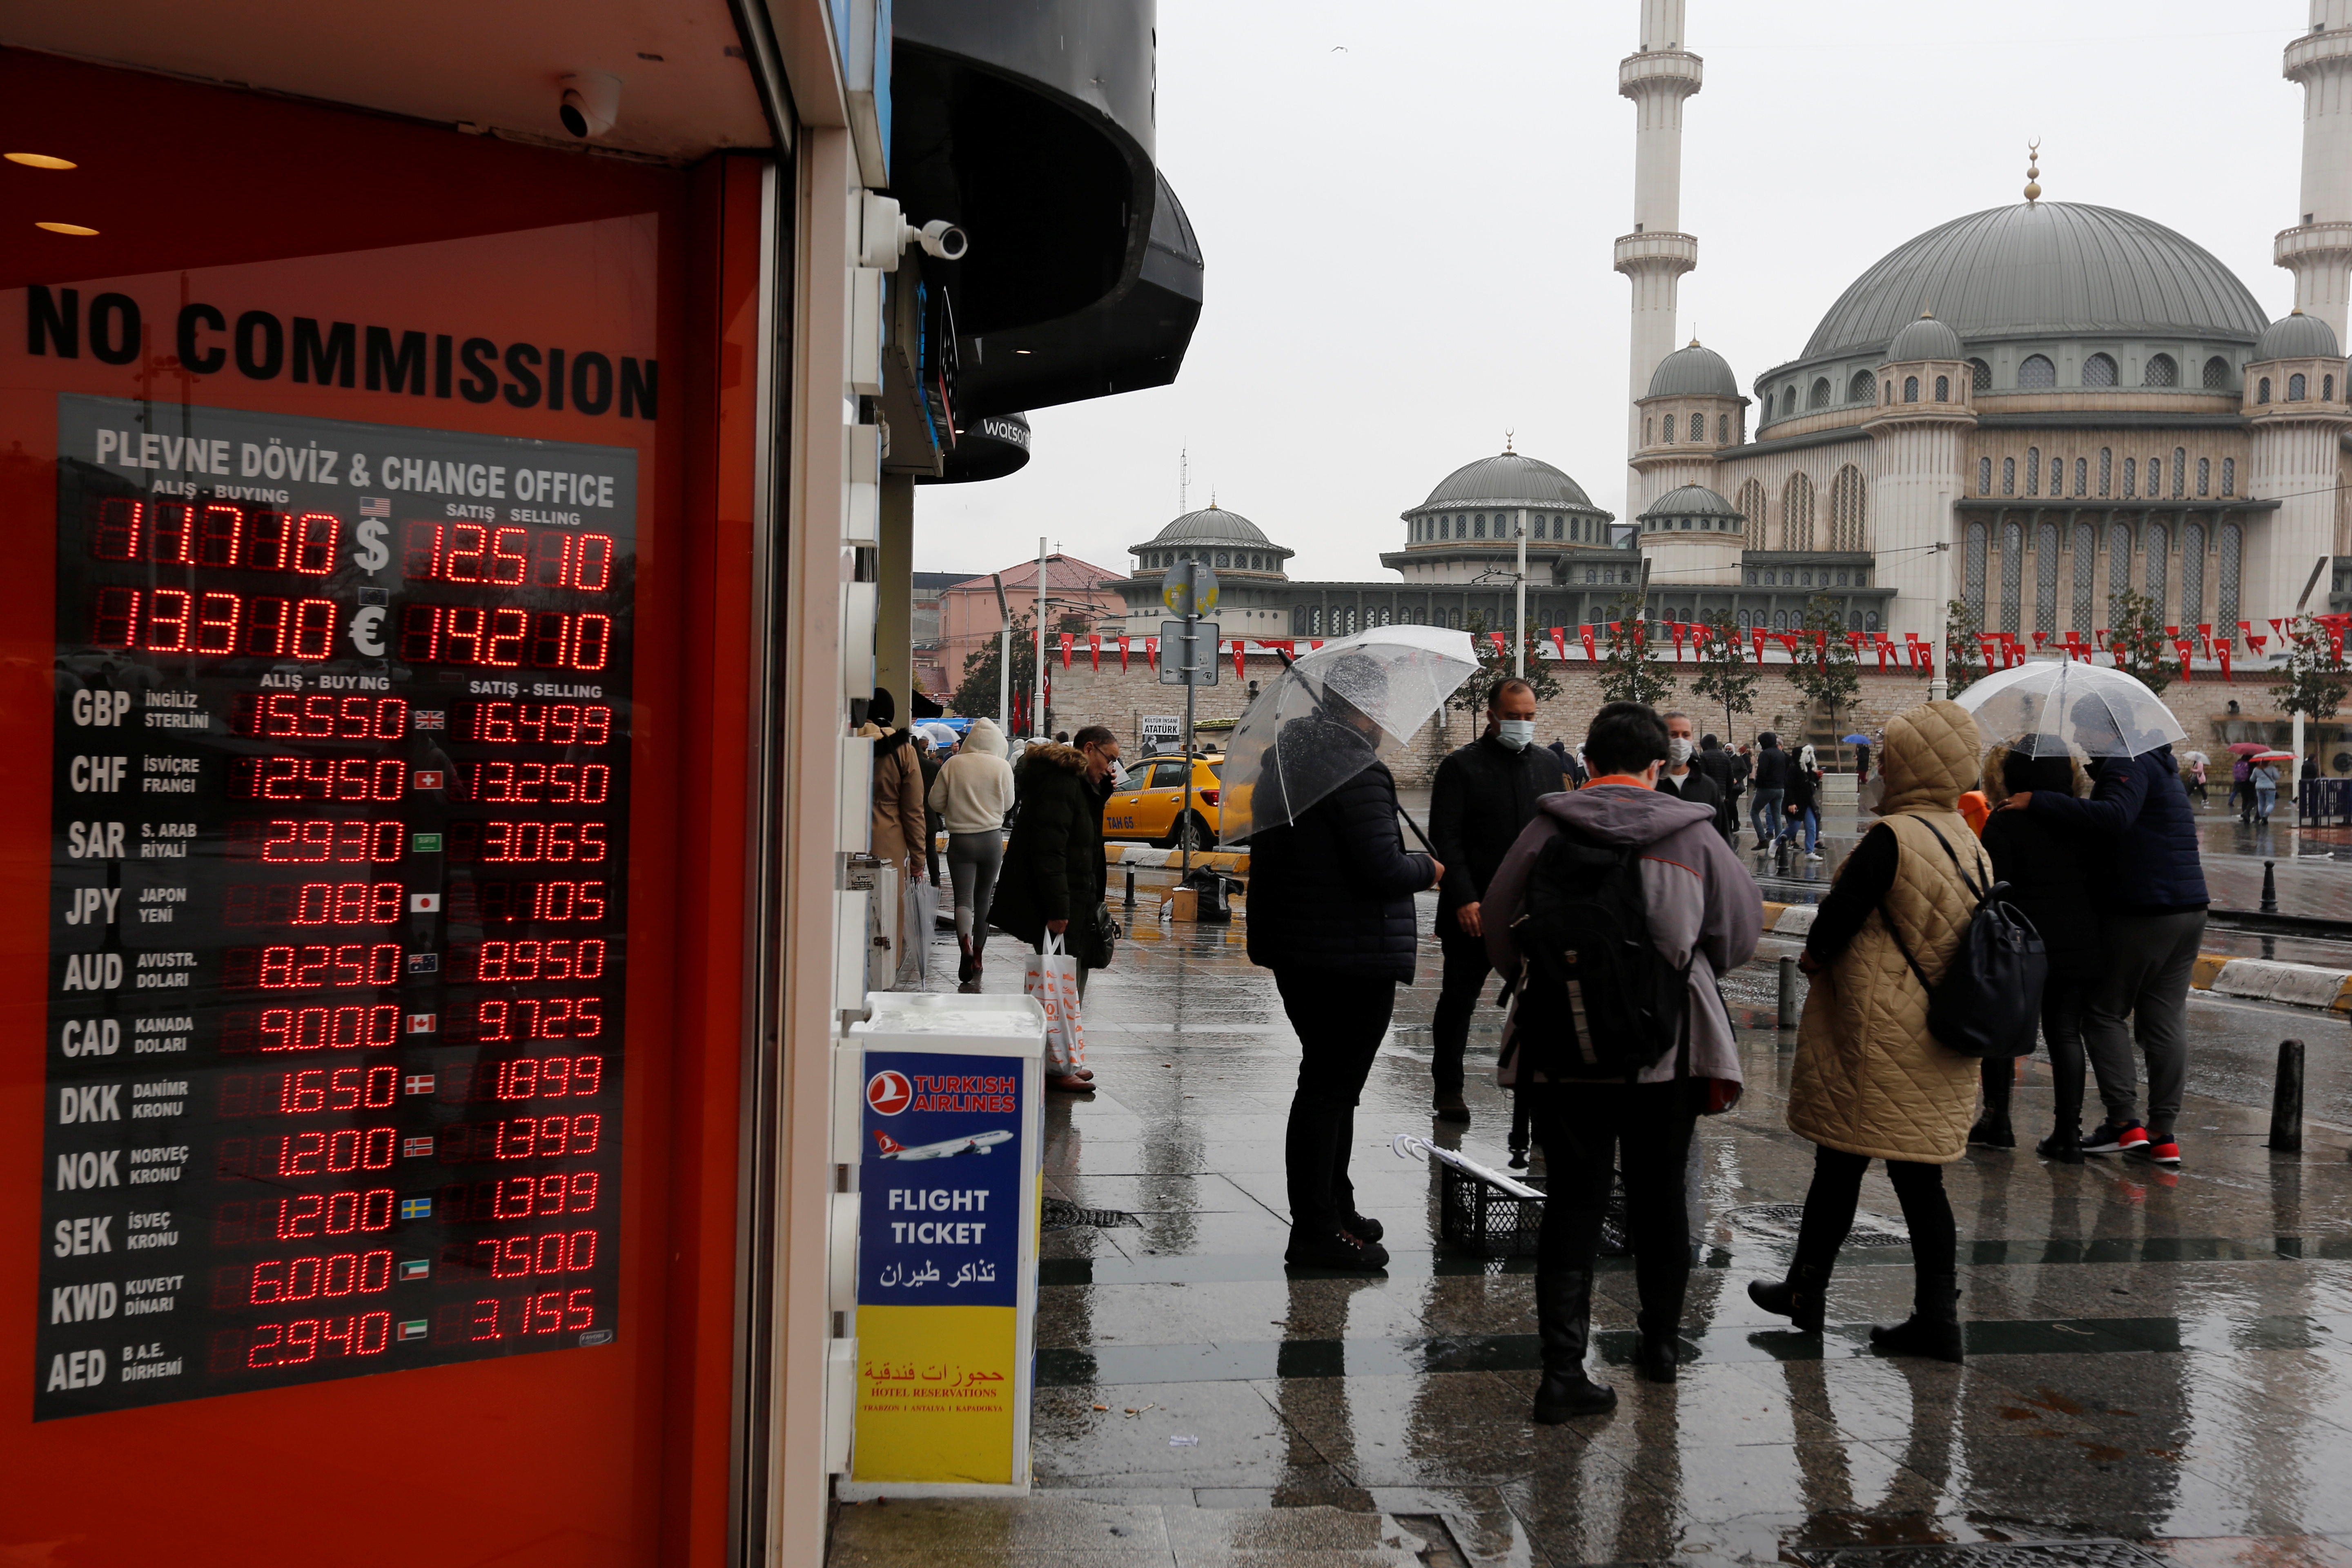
<point x="941" y="238"/>
<point x="884" y="233"/>
<point x="592" y="101"/>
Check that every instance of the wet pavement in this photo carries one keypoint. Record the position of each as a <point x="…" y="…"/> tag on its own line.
<point x="2154" y="1353"/>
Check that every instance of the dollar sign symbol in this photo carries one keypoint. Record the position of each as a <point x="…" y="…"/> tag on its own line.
<point x="371" y="556"/>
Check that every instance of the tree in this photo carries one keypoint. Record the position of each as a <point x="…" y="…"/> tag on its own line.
<point x="2313" y="680"/>
<point x="1495" y="666"/>
<point x="1828" y="672"/>
<point x="1726" y="672"/>
<point x="976" y="692"/>
<point x="1630" y="672"/>
<point x="1964" y="657"/>
<point x="2136" y="637"/>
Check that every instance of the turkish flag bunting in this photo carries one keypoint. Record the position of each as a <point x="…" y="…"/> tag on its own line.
<point x="1586" y="633"/>
<point x="1151" y="652"/>
<point x="1879" y="645"/>
<point x="2099" y="637"/>
<point x="1238" y="671"/>
<point x="2334" y="625"/>
<point x="1502" y="648"/>
<point x="1559" y="643"/>
<point x="1678" y="628"/>
<point x="1612" y="627"/>
<point x="1094" y="648"/>
<point x="1122" y="652"/>
<point x="1316" y="644"/>
<point x="2277" y="628"/>
<point x="1760" y="644"/>
<point x="1069" y="641"/>
<point x="2181" y="645"/>
<point x="2223" y="647"/>
<point x="1286" y="644"/>
<point x="2254" y="643"/>
<point x="2039" y="638"/>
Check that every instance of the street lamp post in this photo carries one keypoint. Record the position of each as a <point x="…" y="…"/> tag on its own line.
<point x="1519" y="586"/>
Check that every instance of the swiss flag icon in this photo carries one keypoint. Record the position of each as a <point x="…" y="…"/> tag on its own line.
<point x="427" y="778"/>
<point x="889" y="1093"/>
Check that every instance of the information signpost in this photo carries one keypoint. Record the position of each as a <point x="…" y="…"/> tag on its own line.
<point x="1190" y="591"/>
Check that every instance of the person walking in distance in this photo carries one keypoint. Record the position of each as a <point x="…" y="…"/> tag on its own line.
<point x="1870" y="1083"/>
<point x="1627" y="845"/>
<point x="1682" y="776"/>
<point x="1769" y="791"/>
<point x="1721" y="768"/>
<point x="1800" y="801"/>
<point x="897" y="824"/>
<point x="1484" y="793"/>
<point x="2153" y="895"/>
<point x="971" y="797"/>
<point x="1053" y="872"/>
<point x="1331" y="913"/>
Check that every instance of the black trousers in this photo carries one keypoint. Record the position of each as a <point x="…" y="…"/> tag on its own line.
<point x="1466" y="969"/>
<point x="1836" y="1192"/>
<point x="1587" y="1132"/>
<point x="1340" y="1020"/>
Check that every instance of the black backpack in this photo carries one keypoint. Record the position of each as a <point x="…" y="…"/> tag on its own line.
<point x="1989" y="1000"/>
<point x="1594" y="999"/>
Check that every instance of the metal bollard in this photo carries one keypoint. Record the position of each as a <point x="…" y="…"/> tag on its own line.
<point x="1788" y="993"/>
<point x="2270" y="887"/>
<point x="2286" y="1101"/>
<point x="1130" y="886"/>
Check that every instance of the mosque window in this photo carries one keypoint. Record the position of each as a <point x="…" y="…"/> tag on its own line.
<point x="1984" y="476"/>
<point x="2045" y="578"/>
<point x="2033" y="470"/>
<point x="2119" y="554"/>
<point x="2228" y="476"/>
<point x="1890" y="392"/>
<point x="1723" y="429"/>
<point x="2086" y="565"/>
<point x="1910" y="389"/>
<point x="1673" y="421"/>
<point x="2217" y="374"/>
<point x="1842" y="578"/>
<point x="2106" y="468"/>
<point x="1870" y="620"/>
<point x="2193" y="572"/>
<point x="2082" y="476"/>
<point x="2159" y="556"/>
<point x="2131" y="477"/>
<point x="1820" y="392"/>
<point x="1751" y="583"/>
<point x="2037" y="372"/>
<point x="1698" y="426"/>
<point x="1649" y="431"/>
<point x="2057" y="476"/>
<point x="1224" y="558"/>
<point x="2294" y="387"/>
<point x="1797" y="514"/>
<point x="1752" y="507"/>
<point x="2161" y="371"/>
<point x="1943" y="389"/>
<point x="1780" y="620"/>
<point x="1972" y="570"/>
<point x="1789" y="399"/>
<point x="1478" y="526"/>
<point x="2262" y="393"/>
<point x="2009" y="475"/>
<point x="2180" y="471"/>
<point x="2099" y="370"/>
<point x="1848" y="511"/>
<point x="2204" y="476"/>
<point x="2327" y="389"/>
<point x="1979" y="376"/>
<point x="1858" y="389"/>
<point x="2013" y="575"/>
<point x="2155" y="478"/>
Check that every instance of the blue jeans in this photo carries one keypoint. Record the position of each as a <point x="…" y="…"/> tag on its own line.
<point x="1811" y="823"/>
<point x="1764" y="815"/>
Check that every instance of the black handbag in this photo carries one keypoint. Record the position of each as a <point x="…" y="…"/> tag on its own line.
<point x="1989" y="1003"/>
<point x="1107" y="930"/>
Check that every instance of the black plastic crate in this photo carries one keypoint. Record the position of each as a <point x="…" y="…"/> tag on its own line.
<point x="1484" y="1221"/>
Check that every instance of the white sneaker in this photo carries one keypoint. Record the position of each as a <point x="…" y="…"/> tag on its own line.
<point x="1812" y="855"/>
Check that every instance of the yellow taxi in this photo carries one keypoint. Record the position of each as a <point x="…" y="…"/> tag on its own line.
<point x="1151" y="803"/>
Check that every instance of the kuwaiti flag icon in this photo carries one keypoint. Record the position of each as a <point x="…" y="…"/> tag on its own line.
<point x="414" y="1268"/>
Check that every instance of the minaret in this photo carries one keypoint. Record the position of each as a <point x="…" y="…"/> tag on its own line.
<point x="2318" y="250"/>
<point x="1657" y="253"/>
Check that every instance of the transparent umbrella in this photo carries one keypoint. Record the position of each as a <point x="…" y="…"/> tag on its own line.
<point x="2050" y="706"/>
<point x="1330" y="714"/>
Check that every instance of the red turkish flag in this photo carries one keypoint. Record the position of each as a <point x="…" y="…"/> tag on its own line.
<point x="2181" y="645"/>
<point x="1502" y="649"/>
<point x="1069" y="641"/>
<point x="1094" y="649"/>
<point x="2223" y="648"/>
<point x="1122" y="652"/>
<point x="1586" y="633"/>
<point x="1677" y="628"/>
<point x="1151" y="652"/>
<point x="1559" y="643"/>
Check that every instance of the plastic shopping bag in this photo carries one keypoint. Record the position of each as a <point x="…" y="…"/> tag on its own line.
<point x="1052" y="977"/>
<point x="917" y="904"/>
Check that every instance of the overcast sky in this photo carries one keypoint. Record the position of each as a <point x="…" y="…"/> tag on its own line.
<point x="1407" y="214"/>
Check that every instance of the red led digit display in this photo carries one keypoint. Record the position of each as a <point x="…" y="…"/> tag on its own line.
<point x="527" y="842"/>
<point x="502" y="902"/>
<point x="177" y="620"/>
<point x="178" y="534"/>
<point x="543" y="784"/>
<point x="523" y="1137"/>
<point x="504" y="639"/>
<point x="521" y="1078"/>
<point x="287" y="715"/>
<point x="523" y="1255"/>
<point x="314" y="903"/>
<point x="519" y="1197"/>
<point x="308" y="1091"/>
<point x="508" y="557"/>
<point x="318" y="778"/>
<point x="311" y="966"/>
<point x="308" y="1028"/>
<point x="515" y="962"/>
<point x="312" y="1276"/>
<point x="540" y="723"/>
<point x="516" y="1317"/>
<point x="303" y="1340"/>
<point x="541" y="1018"/>
<point x="318" y="841"/>
<point x="351" y="1211"/>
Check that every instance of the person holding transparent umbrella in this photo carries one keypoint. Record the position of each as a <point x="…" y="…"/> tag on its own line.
<point x="2139" y="816"/>
<point x="1331" y="892"/>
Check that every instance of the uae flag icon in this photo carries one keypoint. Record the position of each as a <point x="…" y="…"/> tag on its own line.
<point x="423" y="1023"/>
<point x="415" y="1328"/>
<point x="424" y="903"/>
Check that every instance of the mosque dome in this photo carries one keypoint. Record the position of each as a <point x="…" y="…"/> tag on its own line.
<point x="1226" y="540"/>
<point x="2297" y="336"/>
<point x="1213" y="524"/>
<point x="1926" y="338"/>
<point x="1694" y="372"/>
<point x="1508" y="479"/>
<point x="1690" y="501"/>
<point x="2046" y="269"/>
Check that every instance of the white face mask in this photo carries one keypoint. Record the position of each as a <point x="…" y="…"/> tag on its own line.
<point x="1517" y="733"/>
<point x="1679" y="751"/>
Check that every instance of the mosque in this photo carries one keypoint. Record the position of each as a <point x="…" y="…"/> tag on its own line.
<point x="2029" y="409"/>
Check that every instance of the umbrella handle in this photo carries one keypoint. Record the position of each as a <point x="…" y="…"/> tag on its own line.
<point x="1417" y="832"/>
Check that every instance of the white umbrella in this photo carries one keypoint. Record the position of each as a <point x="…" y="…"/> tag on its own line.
<point x="2049" y="707"/>
<point x="1330" y="714"/>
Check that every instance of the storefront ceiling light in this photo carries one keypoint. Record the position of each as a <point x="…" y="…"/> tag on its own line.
<point x="38" y="160"/>
<point x="73" y="228"/>
<point x="1021" y="351"/>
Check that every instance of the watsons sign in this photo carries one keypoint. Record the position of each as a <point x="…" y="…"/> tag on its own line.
<point x="262" y="347"/>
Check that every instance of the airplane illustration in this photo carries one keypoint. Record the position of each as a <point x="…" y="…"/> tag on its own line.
<point x="978" y="1144"/>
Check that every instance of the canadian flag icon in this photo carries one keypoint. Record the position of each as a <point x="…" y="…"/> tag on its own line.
<point x="423" y="1023"/>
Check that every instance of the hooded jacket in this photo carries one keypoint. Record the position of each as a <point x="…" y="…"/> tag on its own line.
<point x="2139" y="814"/>
<point x="974" y="789"/>
<point x="1869" y="1078"/>
<point x="1054" y="868"/>
<point x="1703" y="908"/>
<point x="898" y="799"/>
<point x="1332" y="888"/>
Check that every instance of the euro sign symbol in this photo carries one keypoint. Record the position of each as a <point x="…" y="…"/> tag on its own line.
<point x="367" y="630"/>
<point x="371" y="555"/>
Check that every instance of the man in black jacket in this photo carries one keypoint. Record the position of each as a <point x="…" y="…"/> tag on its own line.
<point x="1330" y="912"/>
<point x="1682" y="776"/>
<point x="1485" y="794"/>
<point x="1721" y="769"/>
<point x="1054" y="875"/>
<point x="1772" y="781"/>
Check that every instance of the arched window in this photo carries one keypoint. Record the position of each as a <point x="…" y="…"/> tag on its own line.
<point x="1943" y="389"/>
<point x="1848" y="511"/>
<point x="1478" y="526"/>
<point x="2157" y="564"/>
<point x="2204" y="476"/>
<point x="1979" y="376"/>
<point x="2013" y="574"/>
<point x="1224" y="558"/>
<point x="1649" y="431"/>
<point x="1888" y="395"/>
<point x="1972" y="569"/>
<point x="1698" y="426"/>
<point x="2161" y="371"/>
<point x="2234" y="542"/>
<point x="2262" y="390"/>
<point x="1910" y="389"/>
<point x="2131" y="477"/>
<point x="1870" y="620"/>
<point x="2057" y="476"/>
<point x="2033" y="470"/>
<point x="1789" y="399"/>
<point x="1752" y="507"/>
<point x="2119" y="554"/>
<point x="2009" y="475"/>
<point x="1298" y="621"/>
<point x="2045" y="577"/>
<point x="2228" y="476"/>
<point x="1723" y="429"/>
<point x="2106" y="468"/>
<point x="2193" y="572"/>
<point x="2082" y="476"/>
<point x="1984" y="476"/>
<point x="1859" y="389"/>
<point x="1797" y="514"/>
<point x="2037" y="372"/>
<point x="2086" y="569"/>
<point x="1780" y="620"/>
<point x="2180" y="472"/>
<point x="2217" y="374"/>
<point x="1821" y="398"/>
<point x="1674" y="423"/>
<point x="2294" y="387"/>
<point x="2099" y="370"/>
<point x="2327" y="389"/>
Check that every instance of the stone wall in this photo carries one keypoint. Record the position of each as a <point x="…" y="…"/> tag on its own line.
<point x="1084" y="696"/>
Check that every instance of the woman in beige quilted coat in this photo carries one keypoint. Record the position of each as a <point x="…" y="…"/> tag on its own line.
<point x="1871" y="1083"/>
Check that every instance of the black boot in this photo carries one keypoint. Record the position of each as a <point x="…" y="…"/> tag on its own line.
<point x="1564" y="1321"/>
<point x="1663" y="1276"/>
<point x="1992" y="1129"/>
<point x="1933" y="1330"/>
<point x="1660" y="1352"/>
<point x="1802" y="1297"/>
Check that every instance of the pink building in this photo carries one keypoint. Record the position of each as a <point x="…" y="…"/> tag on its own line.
<point x="1079" y="597"/>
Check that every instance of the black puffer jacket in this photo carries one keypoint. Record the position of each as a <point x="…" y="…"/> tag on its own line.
<point x="1485" y="794"/>
<point x="2139" y="814"/>
<point x="2049" y="880"/>
<point x="1333" y="890"/>
<point x="1054" y="866"/>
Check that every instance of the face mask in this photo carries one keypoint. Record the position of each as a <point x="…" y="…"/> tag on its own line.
<point x="1517" y="733"/>
<point x="1679" y="751"/>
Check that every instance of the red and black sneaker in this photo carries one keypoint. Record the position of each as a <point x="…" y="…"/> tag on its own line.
<point x="2164" y="1153"/>
<point x="2115" y="1138"/>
